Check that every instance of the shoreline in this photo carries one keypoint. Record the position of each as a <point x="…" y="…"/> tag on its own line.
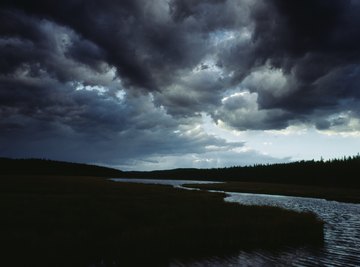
<point x="345" y="195"/>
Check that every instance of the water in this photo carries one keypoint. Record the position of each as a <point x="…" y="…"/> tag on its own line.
<point x="341" y="234"/>
<point x="174" y="183"/>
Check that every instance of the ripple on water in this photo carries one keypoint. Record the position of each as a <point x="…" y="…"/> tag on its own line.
<point x="341" y="235"/>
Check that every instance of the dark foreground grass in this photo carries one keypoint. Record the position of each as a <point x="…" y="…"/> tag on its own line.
<point x="78" y="221"/>
<point x="351" y="195"/>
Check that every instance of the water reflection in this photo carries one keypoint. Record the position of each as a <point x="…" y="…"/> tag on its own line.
<point x="258" y="258"/>
<point x="342" y="235"/>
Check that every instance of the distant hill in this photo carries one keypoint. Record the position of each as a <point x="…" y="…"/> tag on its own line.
<point x="50" y="167"/>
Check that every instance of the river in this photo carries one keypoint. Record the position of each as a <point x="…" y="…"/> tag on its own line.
<point x="341" y="233"/>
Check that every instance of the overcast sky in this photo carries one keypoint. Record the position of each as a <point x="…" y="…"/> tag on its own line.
<point x="143" y="85"/>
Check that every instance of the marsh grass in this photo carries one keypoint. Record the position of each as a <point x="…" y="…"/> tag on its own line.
<point x="78" y="221"/>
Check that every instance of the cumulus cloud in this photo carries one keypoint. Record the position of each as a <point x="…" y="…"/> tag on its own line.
<point x="241" y="111"/>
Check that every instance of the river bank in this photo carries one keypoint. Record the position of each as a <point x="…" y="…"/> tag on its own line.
<point x="349" y="195"/>
<point x="78" y="221"/>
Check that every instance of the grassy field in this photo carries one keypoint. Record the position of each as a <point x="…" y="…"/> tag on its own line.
<point x="77" y="221"/>
<point x="351" y="195"/>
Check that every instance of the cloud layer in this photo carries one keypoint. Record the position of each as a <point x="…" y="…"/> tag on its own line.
<point x="122" y="82"/>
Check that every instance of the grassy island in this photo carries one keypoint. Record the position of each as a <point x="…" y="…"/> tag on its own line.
<point x="77" y="221"/>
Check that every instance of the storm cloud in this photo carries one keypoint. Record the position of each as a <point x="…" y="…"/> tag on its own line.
<point x="120" y="82"/>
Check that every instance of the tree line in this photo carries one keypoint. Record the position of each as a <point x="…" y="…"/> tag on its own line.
<point x="335" y="172"/>
<point x="50" y="167"/>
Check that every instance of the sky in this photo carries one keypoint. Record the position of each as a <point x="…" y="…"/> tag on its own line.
<point x="144" y="85"/>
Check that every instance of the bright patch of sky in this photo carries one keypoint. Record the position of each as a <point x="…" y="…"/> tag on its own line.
<point x="293" y="143"/>
<point x="221" y="37"/>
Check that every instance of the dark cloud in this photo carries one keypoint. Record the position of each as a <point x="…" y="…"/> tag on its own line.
<point x="132" y="77"/>
<point x="314" y="44"/>
<point x="140" y="43"/>
<point x="299" y="27"/>
<point x="181" y="10"/>
<point x="310" y="40"/>
<point x="53" y="120"/>
<point x="62" y="101"/>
